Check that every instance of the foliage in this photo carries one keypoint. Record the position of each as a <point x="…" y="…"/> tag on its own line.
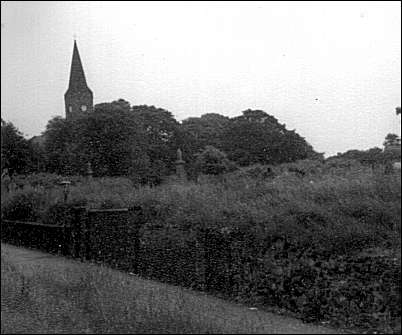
<point x="77" y="298"/>
<point x="118" y="140"/>
<point x="373" y="157"/>
<point x="119" y="105"/>
<point x="213" y="161"/>
<point x="17" y="154"/>
<point x="392" y="139"/>
<point x="256" y="171"/>
<point x="22" y="205"/>
<point x="38" y="180"/>
<point x="296" y="238"/>
<point x="111" y="142"/>
<point x="207" y="129"/>
<point x="163" y="137"/>
<point x="58" y="213"/>
<point x="257" y="137"/>
<point x="141" y="141"/>
<point x="59" y="156"/>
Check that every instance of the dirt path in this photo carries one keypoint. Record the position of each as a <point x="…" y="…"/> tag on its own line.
<point x="223" y="314"/>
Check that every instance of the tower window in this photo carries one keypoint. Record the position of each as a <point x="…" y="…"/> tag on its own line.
<point x="70" y="109"/>
<point x="84" y="108"/>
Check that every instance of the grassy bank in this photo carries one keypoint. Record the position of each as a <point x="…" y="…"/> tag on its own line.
<point x="62" y="296"/>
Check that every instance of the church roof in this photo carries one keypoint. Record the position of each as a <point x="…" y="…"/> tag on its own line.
<point x="77" y="76"/>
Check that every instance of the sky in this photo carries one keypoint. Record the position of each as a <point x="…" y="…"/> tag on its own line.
<point x="329" y="70"/>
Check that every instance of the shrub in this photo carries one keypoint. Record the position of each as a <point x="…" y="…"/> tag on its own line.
<point x="22" y="205"/>
<point x="288" y="240"/>
<point x="213" y="161"/>
<point x="256" y="171"/>
<point x="59" y="213"/>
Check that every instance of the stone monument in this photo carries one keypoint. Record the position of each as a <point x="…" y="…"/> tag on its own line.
<point x="180" y="171"/>
<point x="89" y="171"/>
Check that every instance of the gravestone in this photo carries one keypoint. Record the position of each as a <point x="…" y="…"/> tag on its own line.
<point x="89" y="171"/>
<point x="180" y="170"/>
<point x="5" y="180"/>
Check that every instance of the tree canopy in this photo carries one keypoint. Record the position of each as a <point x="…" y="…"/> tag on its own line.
<point x="141" y="141"/>
<point x="257" y="137"/>
<point x="213" y="161"/>
<point x="391" y="139"/>
<point x="207" y="129"/>
<point x="16" y="151"/>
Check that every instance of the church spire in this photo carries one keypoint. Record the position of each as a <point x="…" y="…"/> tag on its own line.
<point x="78" y="98"/>
<point x="77" y="76"/>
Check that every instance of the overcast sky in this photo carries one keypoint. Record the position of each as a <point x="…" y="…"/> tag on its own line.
<point x="332" y="71"/>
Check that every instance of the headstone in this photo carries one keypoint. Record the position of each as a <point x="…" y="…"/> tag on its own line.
<point x="180" y="171"/>
<point x="66" y="185"/>
<point x="89" y="170"/>
<point x="5" y="180"/>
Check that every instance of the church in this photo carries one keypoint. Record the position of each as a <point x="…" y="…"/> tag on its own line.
<point x="79" y="98"/>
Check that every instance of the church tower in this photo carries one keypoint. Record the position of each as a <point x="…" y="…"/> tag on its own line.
<point x="78" y="98"/>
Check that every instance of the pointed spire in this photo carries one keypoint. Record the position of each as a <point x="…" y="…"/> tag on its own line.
<point x="77" y="76"/>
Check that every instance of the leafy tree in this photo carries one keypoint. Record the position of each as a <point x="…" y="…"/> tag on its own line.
<point x="16" y="152"/>
<point x="164" y="135"/>
<point x="213" y="161"/>
<point x="114" y="106"/>
<point x="139" y="141"/>
<point x="58" y="147"/>
<point x="207" y="129"/>
<point x="371" y="157"/>
<point x="391" y="139"/>
<point x="38" y="154"/>
<point x="257" y="137"/>
<point x="112" y="141"/>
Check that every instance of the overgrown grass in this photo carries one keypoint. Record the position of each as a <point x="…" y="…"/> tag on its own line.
<point x="302" y="226"/>
<point x="92" y="299"/>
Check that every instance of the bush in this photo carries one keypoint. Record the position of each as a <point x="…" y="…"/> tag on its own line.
<point x="213" y="161"/>
<point x="45" y="180"/>
<point x="59" y="213"/>
<point x="256" y="171"/>
<point x="23" y="205"/>
<point x="290" y="240"/>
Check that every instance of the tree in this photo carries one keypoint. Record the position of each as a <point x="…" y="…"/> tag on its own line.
<point x="391" y="139"/>
<point x="59" y="153"/>
<point x="370" y="157"/>
<point x="164" y="136"/>
<point x="398" y="110"/>
<point x="257" y="137"/>
<point x="112" y="141"/>
<point x="213" y="161"/>
<point x="207" y="129"/>
<point x="16" y="152"/>
<point x="138" y="141"/>
<point x="114" y="106"/>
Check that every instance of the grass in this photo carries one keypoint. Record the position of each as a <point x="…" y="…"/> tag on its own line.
<point x="330" y="211"/>
<point x="93" y="299"/>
